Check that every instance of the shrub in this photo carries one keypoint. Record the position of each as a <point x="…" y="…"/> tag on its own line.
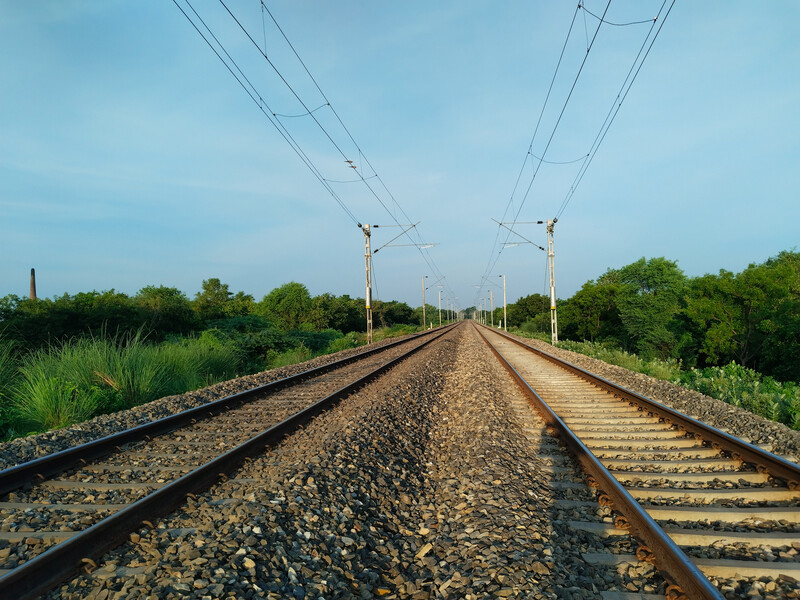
<point x="343" y="343"/>
<point x="289" y="357"/>
<point x="740" y="386"/>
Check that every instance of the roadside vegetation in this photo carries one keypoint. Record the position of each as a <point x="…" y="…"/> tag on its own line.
<point x="67" y="359"/>
<point x="734" y="337"/>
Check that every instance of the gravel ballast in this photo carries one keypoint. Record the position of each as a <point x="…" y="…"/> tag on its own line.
<point x="420" y="486"/>
<point x="28" y="448"/>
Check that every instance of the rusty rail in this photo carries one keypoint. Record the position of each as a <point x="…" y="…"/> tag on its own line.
<point x="33" y="578"/>
<point x="689" y="581"/>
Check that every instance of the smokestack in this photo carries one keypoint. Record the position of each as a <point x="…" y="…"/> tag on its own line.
<point x="33" y="284"/>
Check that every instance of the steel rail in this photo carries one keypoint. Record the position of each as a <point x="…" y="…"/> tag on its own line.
<point x="41" y="468"/>
<point x="778" y="467"/>
<point x="668" y="557"/>
<point x="52" y="567"/>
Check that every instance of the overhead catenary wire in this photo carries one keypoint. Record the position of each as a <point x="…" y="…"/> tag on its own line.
<point x="586" y="10"/>
<point x="495" y="257"/>
<point x="587" y="159"/>
<point x="616" y="105"/>
<point x="258" y="99"/>
<point x="425" y="255"/>
<point x="261" y="104"/>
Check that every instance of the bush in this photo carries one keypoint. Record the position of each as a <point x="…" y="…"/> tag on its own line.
<point x="740" y="386"/>
<point x="289" y="357"/>
<point x="345" y="342"/>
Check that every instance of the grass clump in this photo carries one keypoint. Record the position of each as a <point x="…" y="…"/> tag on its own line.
<point x="8" y="378"/>
<point x="289" y="357"/>
<point x="660" y="369"/>
<point x="45" y="402"/>
<point x="82" y="378"/>
<point x="192" y="363"/>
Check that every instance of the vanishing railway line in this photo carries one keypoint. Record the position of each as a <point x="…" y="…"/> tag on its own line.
<point x="672" y="481"/>
<point x="707" y="511"/>
<point x="78" y="503"/>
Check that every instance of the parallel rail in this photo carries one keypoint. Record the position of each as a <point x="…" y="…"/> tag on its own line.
<point x="670" y="559"/>
<point x="47" y="570"/>
<point x="688" y="578"/>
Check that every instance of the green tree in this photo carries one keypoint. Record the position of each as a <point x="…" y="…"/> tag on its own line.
<point x="166" y="310"/>
<point x="526" y="308"/>
<point x="211" y="301"/>
<point x="414" y="317"/>
<point x="752" y="318"/>
<point x="240" y="305"/>
<point x="337" y="312"/>
<point x="288" y="305"/>
<point x="715" y="317"/>
<point x="649" y="300"/>
<point x="592" y="313"/>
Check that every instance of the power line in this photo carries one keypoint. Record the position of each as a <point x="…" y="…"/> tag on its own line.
<point x="258" y="99"/>
<point x="496" y="257"/>
<point x="610" y="117"/>
<point x="425" y="255"/>
<point x="615" y="106"/>
<point x="615" y="24"/>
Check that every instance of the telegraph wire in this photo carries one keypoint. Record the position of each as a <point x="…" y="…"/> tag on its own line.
<point x="260" y="103"/>
<point x="424" y="253"/>
<point x="615" y="107"/>
<point x="615" y="24"/>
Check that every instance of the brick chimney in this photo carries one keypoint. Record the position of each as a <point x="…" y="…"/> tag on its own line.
<point x="33" y="284"/>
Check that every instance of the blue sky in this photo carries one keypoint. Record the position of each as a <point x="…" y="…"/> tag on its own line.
<point x="129" y="156"/>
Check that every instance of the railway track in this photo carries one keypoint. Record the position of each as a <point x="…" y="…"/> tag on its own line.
<point x="710" y="510"/>
<point x="62" y="512"/>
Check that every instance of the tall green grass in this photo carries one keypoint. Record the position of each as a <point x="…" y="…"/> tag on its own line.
<point x="289" y="357"/>
<point x="73" y="382"/>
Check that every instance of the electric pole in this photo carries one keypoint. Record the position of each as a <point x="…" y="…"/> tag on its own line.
<point x="368" y="295"/>
<point x="491" y="306"/>
<point x="424" y="323"/>
<point x="505" y="313"/>
<point x="551" y="261"/>
<point x="440" y="308"/>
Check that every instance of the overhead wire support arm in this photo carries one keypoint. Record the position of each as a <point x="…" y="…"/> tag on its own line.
<point x="527" y="241"/>
<point x="402" y="233"/>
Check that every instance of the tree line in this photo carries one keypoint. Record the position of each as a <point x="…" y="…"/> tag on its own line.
<point x="162" y="311"/>
<point x="651" y="308"/>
